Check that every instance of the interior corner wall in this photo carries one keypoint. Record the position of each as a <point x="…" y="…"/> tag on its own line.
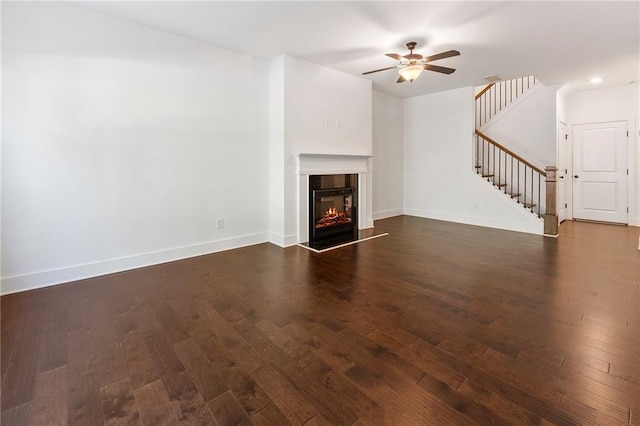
<point x="387" y="156"/>
<point x="561" y="117"/>
<point x="614" y="104"/>
<point x="529" y="128"/>
<point x="123" y="146"/>
<point x="439" y="182"/>
<point x="561" y="106"/>
<point x="276" y="153"/>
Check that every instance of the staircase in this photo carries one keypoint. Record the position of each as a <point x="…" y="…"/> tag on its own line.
<point x="495" y="97"/>
<point x="516" y="177"/>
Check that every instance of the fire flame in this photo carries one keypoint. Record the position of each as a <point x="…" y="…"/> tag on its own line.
<point x="332" y="217"/>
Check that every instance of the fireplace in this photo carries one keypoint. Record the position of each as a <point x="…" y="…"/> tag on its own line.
<point x="311" y="165"/>
<point x="333" y="208"/>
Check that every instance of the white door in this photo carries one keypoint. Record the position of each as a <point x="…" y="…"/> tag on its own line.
<point x="600" y="171"/>
<point x="564" y="179"/>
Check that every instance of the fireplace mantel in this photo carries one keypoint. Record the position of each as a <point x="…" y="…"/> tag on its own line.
<point x="328" y="164"/>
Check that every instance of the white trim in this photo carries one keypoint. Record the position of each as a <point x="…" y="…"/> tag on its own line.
<point x="633" y="125"/>
<point x="384" y="214"/>
<point x="569" y="183"/>
<point x="283" y="241"/>
<point x="329" y="164"/>
<point x="35" y="280"/>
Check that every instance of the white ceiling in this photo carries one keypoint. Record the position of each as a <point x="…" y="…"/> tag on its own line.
<point x="558" y="42"/>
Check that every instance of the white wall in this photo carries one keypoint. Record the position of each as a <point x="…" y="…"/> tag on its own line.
<point x="276" y="152"/>
<point x="439" y="182"/>
<point x="387" y="156"/>
<point x="561" y="106"/>
<point x="122" y="145"/>
<point x="529" y="127"/>
<point x="325" y="112"/>
<point x="614" y="104"/>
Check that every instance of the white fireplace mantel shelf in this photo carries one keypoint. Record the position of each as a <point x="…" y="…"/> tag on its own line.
<point x="313" y="163"/>
<point x="317" y="154"/>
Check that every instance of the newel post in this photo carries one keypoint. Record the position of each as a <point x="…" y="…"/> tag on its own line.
<point x="551" y="209"/>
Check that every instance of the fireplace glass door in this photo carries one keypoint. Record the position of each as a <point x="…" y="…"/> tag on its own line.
<point x="333" y="209"/>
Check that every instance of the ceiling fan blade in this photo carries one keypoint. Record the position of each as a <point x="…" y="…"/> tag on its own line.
<point x="381" y="69"/>
<point x="394" y="56"/>
<point x="412" y="56"/>
<point x="401" y="79"/>
<point x="436" y="68"/>
<point x="447" y="54"/>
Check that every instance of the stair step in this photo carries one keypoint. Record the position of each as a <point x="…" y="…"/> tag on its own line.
<point x="486" y="176"/>
<point x="513" y="195"/>
<point x="500" y="185"/>
<point x="529" y="205"/>
<point x="478" y="167"/>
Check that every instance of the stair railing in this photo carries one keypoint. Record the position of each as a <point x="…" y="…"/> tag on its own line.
<point x="496" y="96"/>
<point x="512" y="174"/>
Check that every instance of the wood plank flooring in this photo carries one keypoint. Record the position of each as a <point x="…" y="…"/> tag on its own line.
<point x="437" y="323"/>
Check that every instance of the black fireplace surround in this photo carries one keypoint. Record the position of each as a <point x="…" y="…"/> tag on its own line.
<point x="333" y="209"/>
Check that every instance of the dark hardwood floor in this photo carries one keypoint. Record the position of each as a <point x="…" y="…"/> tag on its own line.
<point x="437" y="323"/>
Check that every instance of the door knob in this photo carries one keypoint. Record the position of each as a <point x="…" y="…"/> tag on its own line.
<point x="561" y="177"/>
<point x="575" y="176"/>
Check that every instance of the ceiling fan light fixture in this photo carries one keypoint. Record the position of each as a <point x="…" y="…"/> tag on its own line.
<point x="410" y="72"/>
<point x="410" y="66"/>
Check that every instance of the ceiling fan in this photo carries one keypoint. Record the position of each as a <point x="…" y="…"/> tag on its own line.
<point x="411" y="65"/>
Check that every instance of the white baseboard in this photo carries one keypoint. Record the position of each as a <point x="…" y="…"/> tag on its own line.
<point x="283" y="240"/>
<point x="387" y="213"/>
<point x="290" y="240"/>
<point x="42" y="279"/>
<point x="277" y="239"/>
<point x="366" y="224"/>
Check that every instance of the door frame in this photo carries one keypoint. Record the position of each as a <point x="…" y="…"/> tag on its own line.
<point x="568" y="146"/>
<point x="632" y="140"/>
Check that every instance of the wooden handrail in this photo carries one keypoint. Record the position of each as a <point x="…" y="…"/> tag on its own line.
<point x="511" y="153"/>
<point x="482" y="92"/>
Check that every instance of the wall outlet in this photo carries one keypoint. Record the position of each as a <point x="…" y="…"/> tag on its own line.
<point x="220" y="223"/>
